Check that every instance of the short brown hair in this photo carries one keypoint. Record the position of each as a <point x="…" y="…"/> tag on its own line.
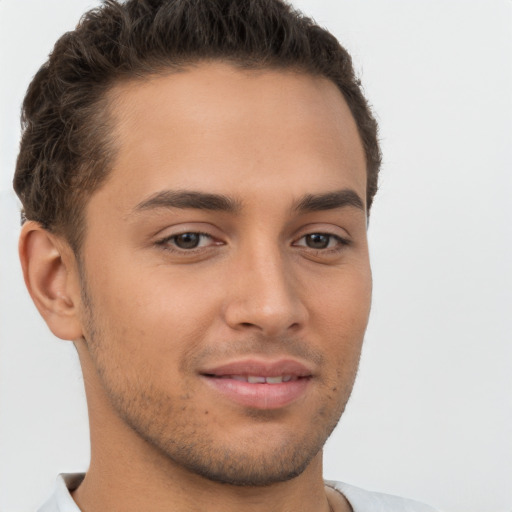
<point x="66" y="152"/>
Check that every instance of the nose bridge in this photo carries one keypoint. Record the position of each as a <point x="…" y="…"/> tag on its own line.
<point x="265" y="294"/>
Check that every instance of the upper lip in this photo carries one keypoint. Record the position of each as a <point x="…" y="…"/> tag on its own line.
<point x="260" y="367"/>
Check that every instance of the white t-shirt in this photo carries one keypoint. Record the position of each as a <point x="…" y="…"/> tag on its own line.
<point x="359" y="499"/>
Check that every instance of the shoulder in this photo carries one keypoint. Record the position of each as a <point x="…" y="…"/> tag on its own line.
<point x="61" y="500"/>
<point x="368" y="501"/>
<point x="359" y="499"/>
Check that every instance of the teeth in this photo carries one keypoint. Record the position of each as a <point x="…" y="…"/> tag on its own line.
<point x="251" y="379"/>
<point x="274" y="380"/>
<point x="258" y="379"/>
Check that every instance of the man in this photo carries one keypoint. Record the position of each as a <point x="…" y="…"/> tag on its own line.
<point x="196" y="178"/>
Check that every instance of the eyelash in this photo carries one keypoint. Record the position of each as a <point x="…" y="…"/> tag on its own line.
<point x="340" y="245"/>
<point x="168" y="243"/>
<point x="165" y="243"/>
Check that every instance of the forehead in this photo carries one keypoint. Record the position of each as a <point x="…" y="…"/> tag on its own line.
<point x="218" y="127"/>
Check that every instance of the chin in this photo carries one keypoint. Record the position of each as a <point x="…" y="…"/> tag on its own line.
<point x="235" y="466"/>
<point x="254" y="457"/>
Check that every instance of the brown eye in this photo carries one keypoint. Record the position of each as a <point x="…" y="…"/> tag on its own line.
<point x="318" y="240"/>
<point x="327" y="242"/>
<point x="187" y="240"/>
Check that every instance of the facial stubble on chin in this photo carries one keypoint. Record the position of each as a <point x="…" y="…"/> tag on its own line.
<point x="175" y="429"/>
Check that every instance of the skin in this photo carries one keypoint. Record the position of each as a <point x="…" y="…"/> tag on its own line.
<point x="148" y="316"/>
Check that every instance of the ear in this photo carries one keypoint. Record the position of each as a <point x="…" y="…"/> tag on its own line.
<point x="51" y="276"/>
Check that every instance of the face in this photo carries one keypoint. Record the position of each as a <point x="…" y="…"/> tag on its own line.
<point x="225" y="273"/>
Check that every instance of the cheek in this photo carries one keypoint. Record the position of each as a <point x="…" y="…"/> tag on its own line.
<point x="154" y="322"/>
<point x="345" y="300"/>
<point x="341" y="315"/>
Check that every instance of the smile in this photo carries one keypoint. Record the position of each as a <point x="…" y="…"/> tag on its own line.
<point x="256" y="379"/>
<point x="259" y="384"/>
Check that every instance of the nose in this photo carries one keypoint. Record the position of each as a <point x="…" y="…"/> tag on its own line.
<point x="265" y="295"/>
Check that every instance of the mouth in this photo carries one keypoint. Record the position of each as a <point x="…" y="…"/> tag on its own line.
<point x="260" y="384"/>
<point x="257" y="379"/>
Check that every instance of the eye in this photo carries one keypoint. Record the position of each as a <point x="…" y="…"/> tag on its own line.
<point x="321" y="241"/>
<point x="187" y="241"/>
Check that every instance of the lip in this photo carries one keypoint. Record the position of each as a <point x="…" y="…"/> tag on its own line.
<point x="259" y="395"/>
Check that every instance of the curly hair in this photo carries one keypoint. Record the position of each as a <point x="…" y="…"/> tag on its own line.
<point x="66" y="150"/>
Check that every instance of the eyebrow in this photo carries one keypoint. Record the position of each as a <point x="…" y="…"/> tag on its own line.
<point x="189" y="199"/>
<point x="330" y="201"/>
<point x="185" y="199"/>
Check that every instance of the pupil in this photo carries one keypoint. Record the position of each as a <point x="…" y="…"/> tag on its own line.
<point x="187" y="240"/>
<point x="317" y="241"/>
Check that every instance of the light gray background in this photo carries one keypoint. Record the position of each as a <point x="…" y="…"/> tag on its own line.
<point x="431" y="414"/>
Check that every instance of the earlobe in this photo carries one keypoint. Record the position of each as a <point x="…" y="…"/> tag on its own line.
<point x="51" y="277"/>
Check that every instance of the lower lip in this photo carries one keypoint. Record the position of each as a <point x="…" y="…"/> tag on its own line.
<point x="259" y="396"/>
